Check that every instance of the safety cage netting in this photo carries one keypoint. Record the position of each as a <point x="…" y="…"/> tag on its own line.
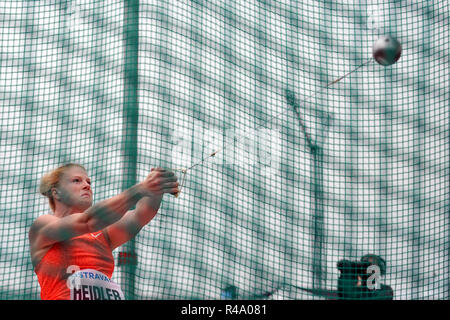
<point x="307" y="178"/>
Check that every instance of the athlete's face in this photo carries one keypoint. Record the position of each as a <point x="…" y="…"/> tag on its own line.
<point x="74" y="189"/>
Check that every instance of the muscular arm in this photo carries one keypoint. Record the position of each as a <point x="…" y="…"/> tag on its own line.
<point x="49" y="229"/>
<point x="133" y="221"/>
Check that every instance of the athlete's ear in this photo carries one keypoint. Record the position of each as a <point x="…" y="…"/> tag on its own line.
<point x="55" y="194"/>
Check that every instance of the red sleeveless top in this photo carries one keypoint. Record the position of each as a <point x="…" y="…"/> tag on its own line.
<point x="88" y="251"/>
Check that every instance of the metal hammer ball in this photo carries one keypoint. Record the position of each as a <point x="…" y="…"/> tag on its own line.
<point x="387" y="50"/>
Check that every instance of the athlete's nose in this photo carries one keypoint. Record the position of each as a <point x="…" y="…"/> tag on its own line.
<point x="86" y="186"/>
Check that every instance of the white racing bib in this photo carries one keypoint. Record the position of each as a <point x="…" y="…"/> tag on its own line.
<point x="89" y="284"/>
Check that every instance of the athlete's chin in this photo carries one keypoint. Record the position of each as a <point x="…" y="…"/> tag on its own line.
<point x="85" y="204"/>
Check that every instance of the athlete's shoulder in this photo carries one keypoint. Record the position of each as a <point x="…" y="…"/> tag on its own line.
<point x="44" y="219"/>
<point x="40" y="222"/>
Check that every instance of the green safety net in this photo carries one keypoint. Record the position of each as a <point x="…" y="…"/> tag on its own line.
<point x="285" y="179"/>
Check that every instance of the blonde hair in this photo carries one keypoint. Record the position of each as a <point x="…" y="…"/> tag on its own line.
<point x="50" y="180"/>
